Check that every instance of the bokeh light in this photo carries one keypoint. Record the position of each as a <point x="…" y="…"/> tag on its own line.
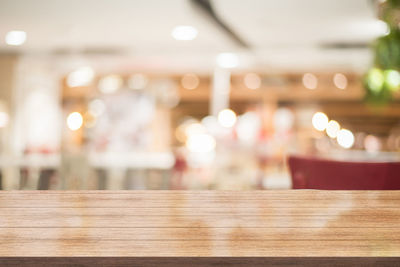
<point x="310" y="81"/>
<point x="375" y="80"/>
<point x="214" y="127"/>
<point x="252" y="81"/>
<point x="97" y="107"/>
<point x="320" y="121"/>
<point x="190" y="81"/>
<point x="372" y="144"/>
<point x="392" y="79"/>
<point x="194" y="128"/>
<point x="90" y="119"/>
<point x="345" y="138"/>
<point x="248" y="128"/>
<point x="283" y="119"/>
<point x="227" y="118"/>
<point x="332" y="129"/>
<point x="340" y="81"/>
<point x="200" y="143"/>
<point x="74" y="121"/>
<point x="82" y="76"/>
<point x="110" y="84"/>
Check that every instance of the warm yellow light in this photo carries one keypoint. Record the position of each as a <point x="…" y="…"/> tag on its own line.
<point x="74" y="121"/>
<point x="345" y="138"/>
<point x="190" y="81"/>
<point x="332" y="128"/>
<point x="310" y="81"/>
<point x="252" y="81"/>
<point x="180" y="133"/>
<point x="227" y="118"/>
<point x="340" y="81"/>
<point x="200" y="143"/>
<point x="320" y="121"/>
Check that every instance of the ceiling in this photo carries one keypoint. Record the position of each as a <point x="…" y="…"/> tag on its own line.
<point x="281" y="35"/>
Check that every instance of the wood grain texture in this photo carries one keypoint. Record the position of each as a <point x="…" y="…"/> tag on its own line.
<point x="200" y="261"/>
<point x="199" y="223"/>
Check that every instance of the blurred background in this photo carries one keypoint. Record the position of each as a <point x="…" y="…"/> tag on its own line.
<point x="193" y="94"/>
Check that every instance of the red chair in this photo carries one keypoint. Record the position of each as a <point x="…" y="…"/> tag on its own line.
<point x="314" y="173"/>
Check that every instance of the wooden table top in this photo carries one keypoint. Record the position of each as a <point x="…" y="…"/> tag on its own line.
<point x="200" y="223"/>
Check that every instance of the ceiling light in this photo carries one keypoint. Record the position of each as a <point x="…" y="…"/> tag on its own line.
<point x="184" y="33"/>
<point x="15" y="37"/>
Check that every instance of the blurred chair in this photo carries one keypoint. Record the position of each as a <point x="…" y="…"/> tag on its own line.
<point x="24" y="177"/>
<point x="314" y="173"/>
<point x="45" y="179"/>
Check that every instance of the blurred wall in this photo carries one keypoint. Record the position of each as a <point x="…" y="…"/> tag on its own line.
<point x="7" y="73"/>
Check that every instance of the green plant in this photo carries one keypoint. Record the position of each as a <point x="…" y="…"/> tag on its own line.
<point x="384" y="78"/>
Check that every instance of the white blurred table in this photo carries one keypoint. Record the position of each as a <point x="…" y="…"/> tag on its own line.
<point x="113" y="164"/>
